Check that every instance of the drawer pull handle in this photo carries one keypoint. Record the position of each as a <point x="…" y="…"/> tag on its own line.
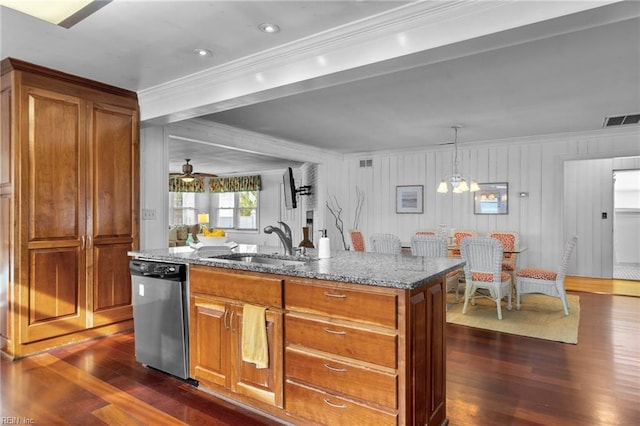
<point x="328" y="330"/>
<point x="337" y="296"/>
<point x="331" y="404"/>
<point x="339" y="370"/>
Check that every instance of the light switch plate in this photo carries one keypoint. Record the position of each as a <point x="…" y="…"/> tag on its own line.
<point x="148" y="214"/>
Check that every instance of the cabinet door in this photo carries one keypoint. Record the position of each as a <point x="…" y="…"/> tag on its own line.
<point x="263" y="384"/>
<point x="428" y="361"/>
<point x="52" y="233"/>
<point x="209" y="339"/>
<point x="6" y="211"/>
<point x="113" y="211"/>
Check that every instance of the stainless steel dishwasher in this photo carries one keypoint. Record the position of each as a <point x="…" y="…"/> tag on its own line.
<point x="160" y="315"/>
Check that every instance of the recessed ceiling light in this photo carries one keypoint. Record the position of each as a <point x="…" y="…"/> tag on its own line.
<point x="202" y="52"/>
<point x="269" y="28"/>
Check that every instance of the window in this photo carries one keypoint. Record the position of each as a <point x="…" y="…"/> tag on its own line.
<point x="182" y="208"/>
<point x="237" y="210"/>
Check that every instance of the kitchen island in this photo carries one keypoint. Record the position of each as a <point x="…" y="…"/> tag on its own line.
<point x="354" y="339"/>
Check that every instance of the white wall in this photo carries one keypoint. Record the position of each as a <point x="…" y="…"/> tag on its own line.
<point x="531" y="165"/>
<point x="588" y="194"/>
<point x="154" y="169"/>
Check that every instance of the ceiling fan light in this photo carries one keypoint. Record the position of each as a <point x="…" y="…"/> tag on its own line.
<point x="443" y="188"/>
<point x="187" y="179"/>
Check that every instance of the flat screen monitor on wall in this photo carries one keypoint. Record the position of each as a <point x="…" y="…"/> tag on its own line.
<point x="289" y="189"/>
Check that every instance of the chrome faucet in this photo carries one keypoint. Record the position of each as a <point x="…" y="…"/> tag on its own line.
<point x="285" y="237"/>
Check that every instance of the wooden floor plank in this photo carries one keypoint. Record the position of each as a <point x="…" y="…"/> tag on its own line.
<point x="603" y="286"/>
<point x="114" y="416"/>
<point x="143" y="412"/>
<point x="492" y="379"/>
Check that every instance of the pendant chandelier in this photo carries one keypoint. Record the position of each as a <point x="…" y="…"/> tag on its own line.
<point x="456" y="180"/>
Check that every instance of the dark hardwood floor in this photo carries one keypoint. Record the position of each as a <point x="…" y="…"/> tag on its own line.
<point x="492" y="379"/>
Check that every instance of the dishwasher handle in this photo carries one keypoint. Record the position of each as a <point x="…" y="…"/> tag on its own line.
<point x="165" y="271"/>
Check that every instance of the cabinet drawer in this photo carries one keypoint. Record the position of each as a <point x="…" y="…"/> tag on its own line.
<point x="365" y="345"/>
<point x="324" y="408"/>
<point x="342" y="378"/>
<point x="372" y="308"/>
<point x="256" y="289"/>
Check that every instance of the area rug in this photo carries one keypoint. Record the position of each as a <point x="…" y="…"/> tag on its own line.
<point x="540" y="317"/>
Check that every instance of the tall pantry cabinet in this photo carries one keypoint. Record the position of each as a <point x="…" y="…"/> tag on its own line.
<point x="69" y="197"/>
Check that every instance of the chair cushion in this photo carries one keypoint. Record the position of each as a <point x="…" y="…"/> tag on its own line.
<point x="357" y="240"/>
<point x="453" y="273"/>
<point x="506" y="266"/>
<point x="508" y="241"/>
<point x="537" y="273"/>
<point x="487" y="277"/>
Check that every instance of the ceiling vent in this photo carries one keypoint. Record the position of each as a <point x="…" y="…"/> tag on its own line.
<point x="366" y="163"/>
<point x="621" y="120"/>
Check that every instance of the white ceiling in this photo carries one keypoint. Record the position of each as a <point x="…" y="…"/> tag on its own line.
<point x="554" y="76"/>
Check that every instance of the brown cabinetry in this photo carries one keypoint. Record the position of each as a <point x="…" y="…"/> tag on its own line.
<point x="216" y="315"/>
<point x="358" y="354"/>
<point x="69" y="192"/>
<point x="341" y="354"/>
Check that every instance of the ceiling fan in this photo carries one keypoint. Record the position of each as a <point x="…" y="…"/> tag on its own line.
<point x="188" y="175"/>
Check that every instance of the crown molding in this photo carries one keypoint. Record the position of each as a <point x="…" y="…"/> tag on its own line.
<point x="292" y="67"/>
<point x="629" y="131"/>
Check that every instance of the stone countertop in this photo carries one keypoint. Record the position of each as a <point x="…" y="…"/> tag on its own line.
<point x="384" y="270"/>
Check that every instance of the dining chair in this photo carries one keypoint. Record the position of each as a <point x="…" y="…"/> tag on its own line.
<point x="510" y="241"/>
<point x="483" y="270"/>
<point x="436" y="246"/>
<point x="547" y="282"/>
<point x="385" y="243"/>
<point x="357" y="240"/>
<point x="458" y="236"/>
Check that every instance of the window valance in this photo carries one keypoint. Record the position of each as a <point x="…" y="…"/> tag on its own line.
<point x="178" y="185"/>
<point x="235" y="184"/>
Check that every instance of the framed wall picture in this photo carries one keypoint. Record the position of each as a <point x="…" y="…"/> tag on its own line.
<point x="492" y="198"/>
<point x="409" y="199"/>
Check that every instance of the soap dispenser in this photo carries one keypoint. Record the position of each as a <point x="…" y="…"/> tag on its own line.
<point x="324" y="246"/>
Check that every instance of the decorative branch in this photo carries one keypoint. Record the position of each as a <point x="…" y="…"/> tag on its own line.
<point x="359" y="204"/>
<point x="336" y="211"/>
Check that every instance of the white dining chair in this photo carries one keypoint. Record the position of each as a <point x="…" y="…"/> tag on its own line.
<point x="543" y="281"/>
<point x="386" y="243"/>
<point x="483" y="270"/>
<point x="436" y="246"/>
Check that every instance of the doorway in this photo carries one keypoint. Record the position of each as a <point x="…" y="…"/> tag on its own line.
<point x="626" y="224"/>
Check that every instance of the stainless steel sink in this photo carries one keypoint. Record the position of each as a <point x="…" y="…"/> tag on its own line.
<point x="258" y="259"/>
